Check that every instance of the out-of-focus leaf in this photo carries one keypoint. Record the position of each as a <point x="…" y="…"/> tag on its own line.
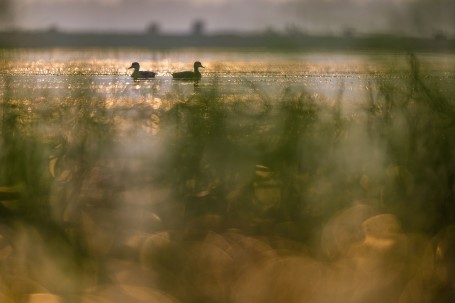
<point x="10" y="192"/>
<point x="52" y="164"/>
<point x="203" y="193"/>
<point x="44" y="298"/>
<point x="146" y="295"/>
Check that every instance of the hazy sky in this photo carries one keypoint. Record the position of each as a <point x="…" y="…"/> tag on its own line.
<point x="421" y="16"/>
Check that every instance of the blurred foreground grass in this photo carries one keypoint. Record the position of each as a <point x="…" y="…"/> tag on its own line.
<point x="229" y="196"/>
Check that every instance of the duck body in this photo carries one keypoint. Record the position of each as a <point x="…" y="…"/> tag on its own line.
<point x="138" y="74"/>
<point x="189" y="75"/>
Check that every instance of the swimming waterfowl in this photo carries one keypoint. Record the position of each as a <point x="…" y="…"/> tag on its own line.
<point x="138" y="74"/>
<point x="190" y="75"/>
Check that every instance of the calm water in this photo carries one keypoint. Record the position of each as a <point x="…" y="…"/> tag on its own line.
<point x="328" y="176"/>
<point x="330" y="75"/>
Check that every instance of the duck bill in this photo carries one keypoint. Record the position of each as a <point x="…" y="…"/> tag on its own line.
<point x="201" y="66"/>
<point x="131" y="67"/>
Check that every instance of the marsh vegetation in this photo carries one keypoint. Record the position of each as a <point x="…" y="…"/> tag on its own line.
<point x="243" y="187"/>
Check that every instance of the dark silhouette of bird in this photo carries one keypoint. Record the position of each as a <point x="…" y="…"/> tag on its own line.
<point x="189" y="75"/>
<point x="138" y="74"/>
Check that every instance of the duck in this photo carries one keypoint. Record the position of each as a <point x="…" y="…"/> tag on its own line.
<point x="189" y="75"/>
<point x="137" y="74"/>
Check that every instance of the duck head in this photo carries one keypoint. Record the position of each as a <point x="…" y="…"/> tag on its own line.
<point x="198" y="64"/>
<point x="134" y="65"/>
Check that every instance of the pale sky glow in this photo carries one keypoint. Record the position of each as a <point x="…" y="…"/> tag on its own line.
<point x="330" y="16"/>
